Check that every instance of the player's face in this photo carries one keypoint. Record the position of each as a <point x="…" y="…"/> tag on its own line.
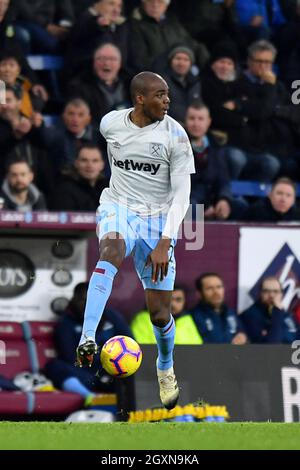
<point x="282" y="197"/>
<point x="223" y="68"/>
<point x="155" y="8"/>
<point x="89" y="164"/>
<point x="271" y="291"/>
<point x="9" y="71"/>
<point x="76" y="118"/>
<point x="156" y="101"/>
<point x="197" y="122"/>
<point x="213" y="291"/>
<point x="177" y="301"/>
<point x="19" y="177"/>
<point x="107" y="63"/>
<point x="181" y="63"/>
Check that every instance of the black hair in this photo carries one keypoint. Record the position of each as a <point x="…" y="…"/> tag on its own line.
<point x="200" y="279"/>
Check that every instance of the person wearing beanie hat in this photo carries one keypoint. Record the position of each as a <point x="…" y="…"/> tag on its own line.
<point x="155" y="31"/>
<point x="185" y="50"/>
<point x="224" y="50"/>
<point x="184" y="87"/>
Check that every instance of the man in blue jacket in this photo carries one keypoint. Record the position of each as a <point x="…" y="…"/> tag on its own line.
<point x="216" y="322"/>
<point x="266" y="321"/>
<point x="62" y="371"/>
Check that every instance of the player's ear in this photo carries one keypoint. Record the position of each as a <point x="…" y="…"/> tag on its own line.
<point x="139" y="99"/>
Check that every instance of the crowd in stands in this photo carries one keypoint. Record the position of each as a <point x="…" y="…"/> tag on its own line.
<point x="229" y="65"/>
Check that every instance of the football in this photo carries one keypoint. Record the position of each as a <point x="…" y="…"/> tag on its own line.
<point x="121" y="356"/>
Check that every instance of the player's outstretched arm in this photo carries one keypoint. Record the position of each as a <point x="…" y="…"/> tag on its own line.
<point x="181" y="189"/>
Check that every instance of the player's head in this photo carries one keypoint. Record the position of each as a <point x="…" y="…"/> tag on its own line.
<point x="76" y="115"/>
<point x="270" y="291"/>
<point x="197" y="120"/>
<point x="150" y="95"/>
<point x="210" y="289"/>
<point x="19" y="175"/>
<point x="283" y="195"/>
<point x="178" y="300"/>
<point x="89" y="163"/>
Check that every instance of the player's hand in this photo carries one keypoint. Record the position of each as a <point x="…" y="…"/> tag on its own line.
<point x="159" y="258"/>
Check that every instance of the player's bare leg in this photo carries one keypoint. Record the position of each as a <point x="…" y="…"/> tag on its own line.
<point x="112" y="252"/>
<point x="159" y="306"/>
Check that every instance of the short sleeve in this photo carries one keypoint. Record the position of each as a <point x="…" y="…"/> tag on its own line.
<point x="182" y="157"/>
<point x="106" y="122"/>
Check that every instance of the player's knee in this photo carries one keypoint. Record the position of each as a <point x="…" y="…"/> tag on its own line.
<point x="160" y="317"/>
<point x="113" y="254"/>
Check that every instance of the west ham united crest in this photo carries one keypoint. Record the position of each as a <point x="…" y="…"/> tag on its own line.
<point x="156" y="149"/>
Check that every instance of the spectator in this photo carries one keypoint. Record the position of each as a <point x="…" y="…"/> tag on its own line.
<point x="184" y="87"/>
<point x="279" y="206"/>
<point x="103" y="87"/>
<point x="259" y="18"/>
<point x="83" y="183"/>
<point x="209" y="21"/>
<point x="7" y="31"/>
<point x="266" y="321"/>
<point x="266" y="138"/>
<point x="216" y="322"/>
<point x="23" y="137"/>
<point x="100" y="24"/>
<point x="18" y="192"/>
<point x="75" y="129"/>
<point x="210" y="183"/>
<point x="34" y="96"/>
<point x="43" y="25"/>
<point x="62" y="371"/>
<point x="186" y="331"/>
<point x="155" y="32"/>
<point x="239" y="115"/>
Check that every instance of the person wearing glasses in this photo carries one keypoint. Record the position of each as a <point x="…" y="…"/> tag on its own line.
<point x="268" y="139"/>
<point x="266" y="321"/>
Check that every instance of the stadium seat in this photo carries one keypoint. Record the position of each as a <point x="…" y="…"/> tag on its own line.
<point x="14" y="403"/>
<point x="56" y="403"/>
<point x="11" y="331"/>
<point x="50" y="120"/>
<point x="50" y="63"/>
<point x="17" y="359"/>
<point x="45" y="62"/>
<point x="252" y="188"/>
<point x="39" y="336"/>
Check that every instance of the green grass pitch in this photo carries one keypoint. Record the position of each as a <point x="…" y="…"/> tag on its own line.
<point x="148" y="436"/>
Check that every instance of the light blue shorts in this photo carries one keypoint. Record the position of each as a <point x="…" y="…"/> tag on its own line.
<point x="141" y="235"/>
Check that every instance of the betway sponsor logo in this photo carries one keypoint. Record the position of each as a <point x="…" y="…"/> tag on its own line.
<point x="129" y="165"/>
